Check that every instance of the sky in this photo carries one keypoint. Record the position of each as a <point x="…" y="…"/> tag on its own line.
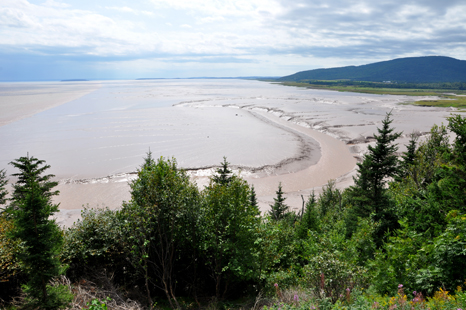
<point x="128" y="39"/>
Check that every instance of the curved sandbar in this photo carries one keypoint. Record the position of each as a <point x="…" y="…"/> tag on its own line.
<point x="336" y="160"/>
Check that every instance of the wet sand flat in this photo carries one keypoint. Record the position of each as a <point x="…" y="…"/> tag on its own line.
<point x="21" y="100"/>
<point x="269" y="133"/>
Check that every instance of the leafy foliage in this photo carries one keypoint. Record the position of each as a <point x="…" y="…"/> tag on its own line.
<point x="93" y="243"/>
<point x="9" y="266"/>
<point x="3" y="183"/>
<point x="229" y="222"/>
<point x="401" y="223"/>
<point x="157" y="221"/>
<point x="331" y="275"/>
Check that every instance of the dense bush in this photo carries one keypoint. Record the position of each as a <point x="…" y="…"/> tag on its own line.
<point x="401" y="227"/>
<point x="95" y="243"/>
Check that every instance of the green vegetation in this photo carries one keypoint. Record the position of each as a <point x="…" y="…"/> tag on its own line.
<point x="458" y="102"/>
<point x="3" y="183"/>
<point x="450" y="94"/>
<point x="396" y="239"/>
<point x="415" y="76"/>
<point x="41" y="239"/>
<point x="279" y="209"/>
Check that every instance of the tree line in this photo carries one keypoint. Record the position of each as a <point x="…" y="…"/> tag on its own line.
<point x="392" y="84"/>
<point x="403" y="221"/>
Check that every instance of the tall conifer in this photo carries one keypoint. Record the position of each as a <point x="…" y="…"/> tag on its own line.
<point x="31" y="209"/>
<point x="279" y="208"/>
<point x="224" y="173"/>
<point x="253" y="198"/>
<point x="3" y="183"/>
<point x="379" y="164"/>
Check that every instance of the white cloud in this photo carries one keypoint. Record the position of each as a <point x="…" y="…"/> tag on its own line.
<point x="338" y="31"/>
<point x="226" y="8"/>
<point x="149" y="13"/>
<point x="57" y="4"/>
<point x="121" y="9"/>
<point x="211" y="19"/>
<point x="11" y="17"/>
<point x="71" y="31"/>
<point x="126" y="9"/>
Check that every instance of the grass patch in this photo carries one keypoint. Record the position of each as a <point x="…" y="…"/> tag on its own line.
<point x="450" y="100"/>
<point x="458" y="102"/>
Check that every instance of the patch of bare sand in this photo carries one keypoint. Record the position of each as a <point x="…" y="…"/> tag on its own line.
<point x="75" y="197"/>
<point x="18" y="101"/>
<point x="336" y="162"/>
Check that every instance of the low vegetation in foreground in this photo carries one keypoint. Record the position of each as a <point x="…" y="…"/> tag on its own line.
<point x="396" y="239"/>
<point x="449" y="94"/>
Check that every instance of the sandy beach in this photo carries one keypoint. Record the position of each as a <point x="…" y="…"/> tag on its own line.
<point x="95" y="135"/>
<point x="19" y="100"/>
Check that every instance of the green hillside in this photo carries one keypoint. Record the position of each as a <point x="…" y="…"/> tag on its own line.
<point x="430" y="69"/>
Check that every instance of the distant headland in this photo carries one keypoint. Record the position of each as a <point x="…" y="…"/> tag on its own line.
<point x="428" y="69"/>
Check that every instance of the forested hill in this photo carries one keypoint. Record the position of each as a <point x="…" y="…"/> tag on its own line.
<point x="430" y="69"/>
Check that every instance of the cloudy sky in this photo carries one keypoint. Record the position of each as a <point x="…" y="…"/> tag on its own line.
<point x="126" y="39"/>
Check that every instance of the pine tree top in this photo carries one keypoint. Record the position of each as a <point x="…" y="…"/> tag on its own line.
<point x="224" y="173"/>
<point x="279" y="208"/>
<point x="31" y="170"/>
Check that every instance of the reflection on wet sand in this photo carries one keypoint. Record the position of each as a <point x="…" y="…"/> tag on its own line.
<point x="270" y="133"/>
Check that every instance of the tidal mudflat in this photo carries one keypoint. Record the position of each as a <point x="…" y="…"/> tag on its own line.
<point x="95" y="134"/>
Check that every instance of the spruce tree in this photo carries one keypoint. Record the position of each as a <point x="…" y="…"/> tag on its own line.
<point x="368" y="195"/>
<point x="31" y="209"/>
<point x="310" y="219"/>
<point x="253" y="198"/>
<point x="410" y="154"/>
<point x="224" y="173"/>
<point x="279" y="208"/>
<point x="3" y="183"/>
<point x="408" y="157"/>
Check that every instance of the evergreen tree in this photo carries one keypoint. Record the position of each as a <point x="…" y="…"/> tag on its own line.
<point x="31" y="210"/>
<point x="224" y="173"/>
<point x="157" y="223"/>
<point x="253" y="198"/>
<point x="310" y="220"/>
<point x="279" y="208"/>
<point x="457" y="124"/>
<point x="148" y="160"/>
<point x="369" y="193"/>
<point x="408" y="157"/>
<point x="3" y="183"/>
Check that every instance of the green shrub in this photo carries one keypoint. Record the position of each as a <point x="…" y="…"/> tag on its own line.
<point x="94" y="242"/>
<point x="330" y="275"/>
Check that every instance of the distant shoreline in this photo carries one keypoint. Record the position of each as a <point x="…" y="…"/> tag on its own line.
<point x="454" y="99"/>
